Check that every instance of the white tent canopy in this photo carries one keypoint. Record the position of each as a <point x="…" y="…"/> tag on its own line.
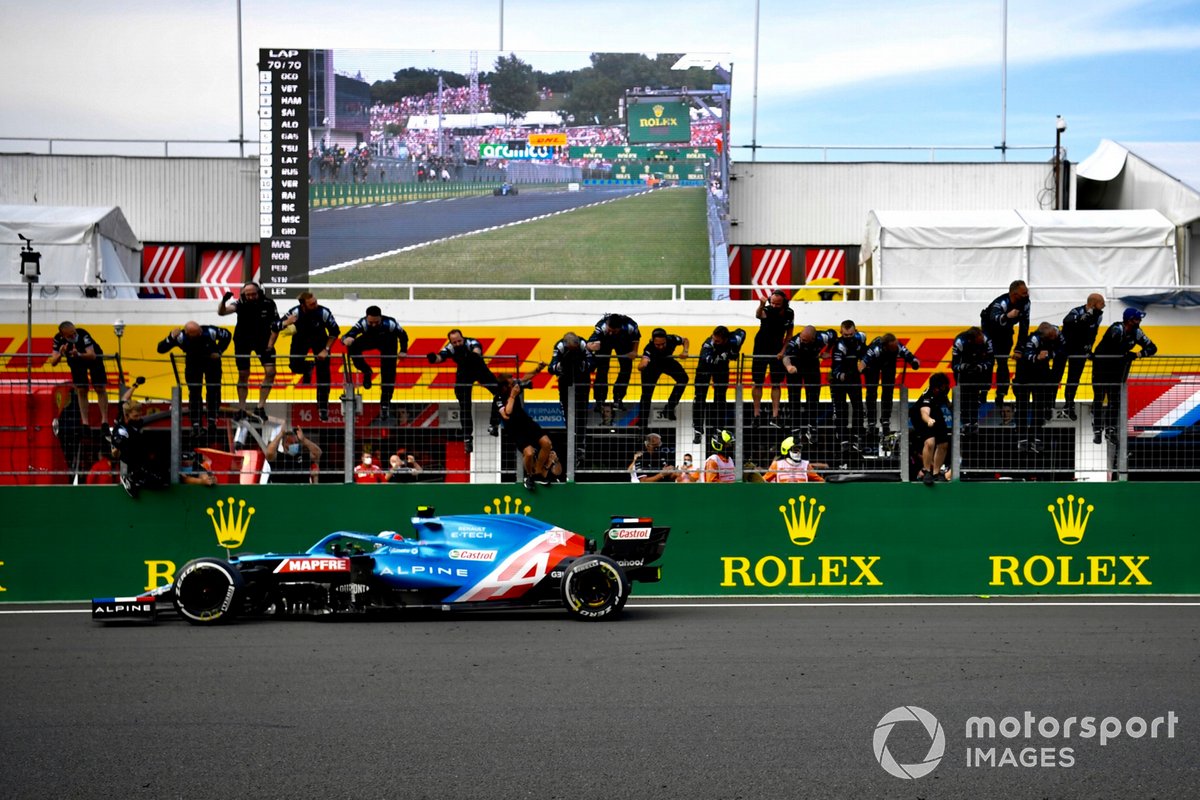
<point x="971" y="255"/>
<point x="80" y="245"/>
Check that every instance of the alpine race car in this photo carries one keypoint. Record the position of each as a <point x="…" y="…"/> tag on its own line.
<point x="465" y="562"/>
<point x="504" y="189"/>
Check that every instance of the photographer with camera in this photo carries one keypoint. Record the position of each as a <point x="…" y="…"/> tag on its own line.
<point x="83" y="356"/>
<point x="140" y="467"/>
<point x="294" y="458"/>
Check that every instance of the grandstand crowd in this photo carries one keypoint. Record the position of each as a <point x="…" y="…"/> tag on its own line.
<point x="422" y="145"/>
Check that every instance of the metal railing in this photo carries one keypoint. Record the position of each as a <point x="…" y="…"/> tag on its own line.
<point x="438" y="429"/>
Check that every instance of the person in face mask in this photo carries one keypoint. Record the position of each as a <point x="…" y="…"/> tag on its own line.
<point x="367" y="471"/>
<point x="792" y="467"/>
<point x="294" y="458"/>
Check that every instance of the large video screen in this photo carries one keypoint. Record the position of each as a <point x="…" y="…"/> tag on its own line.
<point x="403" y="169"/>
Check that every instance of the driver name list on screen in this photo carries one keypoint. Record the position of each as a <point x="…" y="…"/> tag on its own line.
<point x="283" y="168"/>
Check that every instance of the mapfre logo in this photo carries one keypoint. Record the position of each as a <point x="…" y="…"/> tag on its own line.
<point x="802" y="518"/>
<point x="291" y="565"/>
<point x="230" y="523"/>
<point x="1071" y="517"/>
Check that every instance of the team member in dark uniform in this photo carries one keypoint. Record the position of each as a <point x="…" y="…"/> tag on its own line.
<point x="658" y="359"/>
<point x="802" y="360"/>
<point x="84" y="357"/>
<point x="572" y="363"/>
<point x="1079" y="329"/>
<point x="254" y="333"/>
<point x="316" y="331"/>
<point x="615" y="336"/>
<point x="202" y="346"/>
<point x="1035" y="385"/>
<point x="384" y="335"/>
<point x="294" y="458"/>
<point x="931" y="428"/>
<point x="879" y="370"/>
<point x="467" y="354"/>
<point x="528" y="437"/>
<point x="971" y="361"/>
<point x="712" y="367"/>
<point x="776" y="320"/>
<point x="845" y="383"/>
<point x="1008" y="312"/>
<point x="1111" y="361"/>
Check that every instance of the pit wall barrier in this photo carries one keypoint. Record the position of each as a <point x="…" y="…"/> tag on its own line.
<point x="69" y="543"/>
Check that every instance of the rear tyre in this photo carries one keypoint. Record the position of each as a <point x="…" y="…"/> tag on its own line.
<point x="208" y="591"/>
<point x="594" y="587"/>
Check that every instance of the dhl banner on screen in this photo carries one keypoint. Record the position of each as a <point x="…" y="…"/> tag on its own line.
<point x="506" y="348"/>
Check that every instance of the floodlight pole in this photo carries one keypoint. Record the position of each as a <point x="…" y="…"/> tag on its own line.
<point x="241" y="101"/>
<point x="754" y="110"/>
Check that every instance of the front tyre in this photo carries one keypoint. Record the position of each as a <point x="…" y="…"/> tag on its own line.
<point x="594" y="587"/>
<point x="208" y="591"/>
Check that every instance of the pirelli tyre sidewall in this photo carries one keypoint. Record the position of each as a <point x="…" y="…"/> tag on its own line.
<point x="208" y="591"/>
<point x="594" y="587"/>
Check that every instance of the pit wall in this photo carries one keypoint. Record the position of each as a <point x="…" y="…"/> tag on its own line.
<point x="71" y="543"/>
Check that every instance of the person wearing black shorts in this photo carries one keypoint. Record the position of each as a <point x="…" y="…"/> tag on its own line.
<point x="316" y="332"/>
<point x="615" y="337"/>
<point x="85" y="358"/>
<point x="931" y="431"/>
<point x="527" y="436"/>
<point x="467" y="355"/>
<point x="253" y="333"/>
<point x="384" y="335"/>
<point x="775" y="322"/>
<point x="659" y="359"/>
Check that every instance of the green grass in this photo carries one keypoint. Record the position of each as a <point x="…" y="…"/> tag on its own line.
<point x="657" y="237"/>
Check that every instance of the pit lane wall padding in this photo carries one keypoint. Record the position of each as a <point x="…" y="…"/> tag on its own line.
<point x="70" y="543"/>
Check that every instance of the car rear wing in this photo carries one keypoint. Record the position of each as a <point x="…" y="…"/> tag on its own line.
<point x="636" y="543"/>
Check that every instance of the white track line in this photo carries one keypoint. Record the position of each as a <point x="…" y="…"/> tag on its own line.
<point x="1000" y="603"/>
<point x="419" y="245"/>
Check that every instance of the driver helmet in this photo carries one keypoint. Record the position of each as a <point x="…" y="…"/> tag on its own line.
<point x="791" y="450"/>
<point x="722" y="441"/>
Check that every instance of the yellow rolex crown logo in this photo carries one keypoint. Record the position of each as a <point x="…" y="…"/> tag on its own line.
<point x="1070" y="522"/>
<point x="511" y="506"/>
<point x="658" y="110"/>
<point x="231" y="523"/>
<point x="802" y="526"/>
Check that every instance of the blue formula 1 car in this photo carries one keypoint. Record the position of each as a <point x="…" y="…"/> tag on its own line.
<point x="450" y="563"/>
<point x="505" y="189"/>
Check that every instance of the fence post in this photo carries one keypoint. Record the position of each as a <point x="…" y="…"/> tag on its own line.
<point x="348" y="408"/>
<point x="1123" y="434"/>
<point x="176" y="430"/>
<point x="904" y="437"/>
<point x="956" y="437"/>
<point x="572" y="443"/>
<point x="738" y="420"/>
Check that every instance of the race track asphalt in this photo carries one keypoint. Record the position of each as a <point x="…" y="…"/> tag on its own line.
<point x="341" y="234"/>
<point x="675" y="700"/>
